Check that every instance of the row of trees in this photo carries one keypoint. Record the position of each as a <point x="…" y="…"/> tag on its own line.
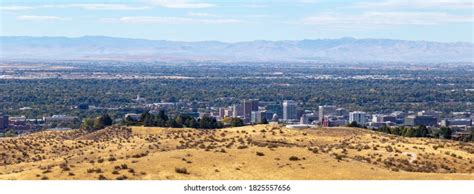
<point x="162" y="120"/>
<point x="417" y="131"/>
<point x="422" y="131"/>
<point x="406" y="131"/>
<point x="180" y="121"/>
<point x="9" y="133"/>
<point x="236" y="122"/>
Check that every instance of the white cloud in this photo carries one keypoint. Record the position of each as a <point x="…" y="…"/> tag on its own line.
<point x="254" y="5"/>
<point x="386" y="18"/>
<point x="40" y="18"/>
<point x="439" y="4"/>
<point x="309" y="1"/>
<point x="98" y="6"/>
<point x="88" y="6"/>
<point x="15" y="8"/>
<point x="201" y="14"/>
<point x="168" y="20"/>
<point x="183" y="4"/>
<point x="256" y="16"/>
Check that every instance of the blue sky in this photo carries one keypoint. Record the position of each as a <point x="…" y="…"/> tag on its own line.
<point x="233" y="20"/>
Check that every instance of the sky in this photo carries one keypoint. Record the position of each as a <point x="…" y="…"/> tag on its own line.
<point x="245" y="20"/>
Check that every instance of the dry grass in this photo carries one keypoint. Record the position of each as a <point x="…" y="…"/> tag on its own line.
<point x="252" y="152"/>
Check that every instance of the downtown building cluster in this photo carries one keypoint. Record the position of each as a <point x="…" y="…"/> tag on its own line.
<point x="253" y="111"/>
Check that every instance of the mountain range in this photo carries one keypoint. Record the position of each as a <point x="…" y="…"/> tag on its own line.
<point x="318" y="50"/>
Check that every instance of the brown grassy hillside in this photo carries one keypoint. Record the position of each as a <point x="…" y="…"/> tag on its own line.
<point x="251" y="152"/>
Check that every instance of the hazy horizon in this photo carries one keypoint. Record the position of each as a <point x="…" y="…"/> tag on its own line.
<point x="254" y="40"/>
<point x="308" y="50"/>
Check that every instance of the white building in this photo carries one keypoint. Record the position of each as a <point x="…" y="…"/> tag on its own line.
<point x="228" y="112"/>
<point x="304" y="119"/>
<point x="326" y="111"/>
<point x="290" y="110"/>
<point x="132" y="116"/>
<point x="377" y="118"/>
<point x="139" y="99"/>
<point x="359" y="117"/>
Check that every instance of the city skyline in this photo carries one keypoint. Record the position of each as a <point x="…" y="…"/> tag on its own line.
<point x="434" y="20"/>
<point x="271" y="95"/>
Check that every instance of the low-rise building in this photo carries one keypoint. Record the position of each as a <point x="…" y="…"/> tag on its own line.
<point x="456" y="122"/>
<point x="435" y="114"/>
<point x="415" y="120"/>
<point x="59" y="118"/>
<point x="21" y="120"/>
<point x="376" y="125"/>
<point x="359" y="117"/>
<point x="162" y="106"/>
<point x="260" y="116"/>
<point x="132" y="117"/>
<point x="331" y="121"/>
<point x="380" y="118"/>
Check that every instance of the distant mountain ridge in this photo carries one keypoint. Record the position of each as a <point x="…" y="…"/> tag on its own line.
<point x="318" y="50"/>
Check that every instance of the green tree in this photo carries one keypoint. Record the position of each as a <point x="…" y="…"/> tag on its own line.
<point x="422" y="131"/>
<point x="445" y="132"/>
<point x="129" y="121"/>
<point x="147" y="119"/>
<point x="107" y="120"/>
<point x="87" y="124"/>
<point x="385" y="129"/>
<point x="180" y="120"/>
<point x="409" y="132"/>
<point x="395" y="131"/>
<point x="10" y="133"/>
<point x="205" y="122"/>
<point x="173" y="124"/>
<point x="102" y="122"/>
<point x="192" y="123"/>
<point x="218" y="124"/>
<point x="144" y="116"/>
<point x="159" y="122"/>
<point x="353" y="124"/>
<point x="472" y="134"/>
<point x="236" y="122"/>
<point x="162" y="115"/>
<point x="209" y="123"/>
